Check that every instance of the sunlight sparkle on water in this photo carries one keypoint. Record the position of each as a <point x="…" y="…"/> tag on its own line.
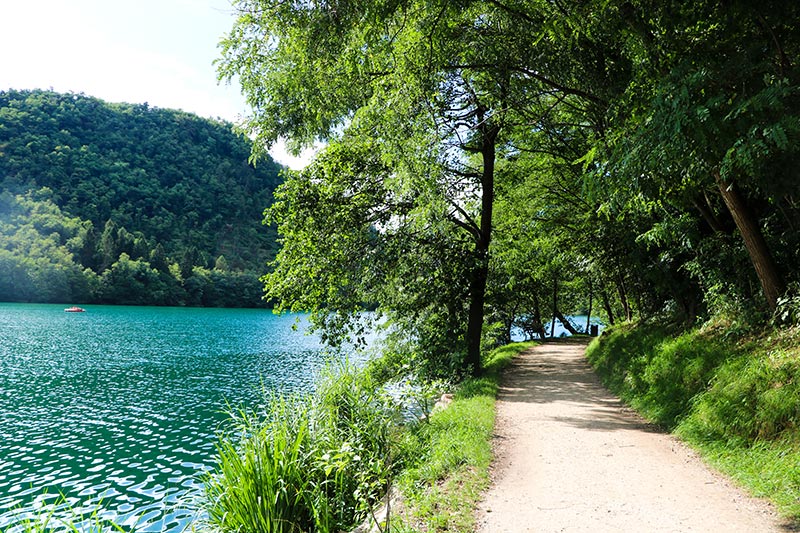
<point x="117" y="408"/>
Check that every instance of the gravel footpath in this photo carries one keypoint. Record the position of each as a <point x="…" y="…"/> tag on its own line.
<point x="570" y="457"/>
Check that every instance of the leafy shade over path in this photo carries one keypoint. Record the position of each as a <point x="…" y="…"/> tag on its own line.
<point x="570" y="457"/>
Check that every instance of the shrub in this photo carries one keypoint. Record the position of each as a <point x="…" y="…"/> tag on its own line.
<point x="788" y="308"/>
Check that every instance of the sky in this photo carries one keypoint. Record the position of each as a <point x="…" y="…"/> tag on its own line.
<point x="155" y="51"/>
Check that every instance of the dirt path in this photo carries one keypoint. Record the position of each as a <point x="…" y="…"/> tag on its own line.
<point x="570" y="457"/>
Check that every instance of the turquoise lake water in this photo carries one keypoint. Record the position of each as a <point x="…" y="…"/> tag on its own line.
<point x="118" y="408"/>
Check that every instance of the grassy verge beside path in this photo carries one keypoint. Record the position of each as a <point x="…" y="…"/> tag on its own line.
<point x="444" y="482"/>
<point x="737" y="401"/>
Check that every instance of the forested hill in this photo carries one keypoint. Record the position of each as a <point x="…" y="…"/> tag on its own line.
<point x="122" y="203"/>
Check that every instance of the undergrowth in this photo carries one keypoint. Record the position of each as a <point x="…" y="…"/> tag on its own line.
<point x="311" y="463"/>
<point x="737" y="400"/>
<point x="447" y="459"/>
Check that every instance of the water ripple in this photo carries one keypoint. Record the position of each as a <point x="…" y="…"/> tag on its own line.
<point x="116" y="409"/>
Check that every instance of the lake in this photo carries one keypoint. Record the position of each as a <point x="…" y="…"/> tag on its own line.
<point x="118" y="408"/>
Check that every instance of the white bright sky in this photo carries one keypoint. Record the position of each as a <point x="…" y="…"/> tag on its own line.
<point x="155" y="51"/>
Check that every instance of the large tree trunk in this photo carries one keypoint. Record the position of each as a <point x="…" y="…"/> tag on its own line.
<point x="746" y="223"/>
<point x="481" y="272"/>
<point x="475" y="317"/>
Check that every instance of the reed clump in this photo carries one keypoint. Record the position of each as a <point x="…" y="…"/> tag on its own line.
<point x="316" y="462"/>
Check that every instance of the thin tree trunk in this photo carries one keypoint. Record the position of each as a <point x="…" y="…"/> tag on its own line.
<point x="555" y="307"/>
<point x="707" y="212"/>
<point x="481" y="272"/>
<point x="508" y="325"/>
<point x="566" y="323"/>
<point x="607" y="306"/>
<point x="623" y="296"/>
<point x="589" y="312"/>
<point x="537" y="317"/>
<point x="789" y="222"/>
<point x="771" y="280"/>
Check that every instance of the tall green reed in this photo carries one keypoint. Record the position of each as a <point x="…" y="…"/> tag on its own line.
<point x="314" y="462"/>
<point x="62" y="517"/>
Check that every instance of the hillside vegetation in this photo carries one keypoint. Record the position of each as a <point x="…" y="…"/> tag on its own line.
<point x="123" y="203"/>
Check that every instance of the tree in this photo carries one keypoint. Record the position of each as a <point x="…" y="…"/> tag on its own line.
<point x="158" y="259"/>
<point x="132" y="282"/>
<point x="438" y="87"/>
<point x="626" y="140"/>
<point x="109" y="249"/>
<point x="221" y="264"/>
<point x="39" y="245"/>
<point x="711" y="108"/>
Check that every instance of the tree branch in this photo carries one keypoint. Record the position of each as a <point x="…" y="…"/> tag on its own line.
<point x="558" y="86"/>
<point x="468" y="224"/>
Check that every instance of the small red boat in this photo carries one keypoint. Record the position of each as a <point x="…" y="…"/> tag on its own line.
<point x="74" y="309"/>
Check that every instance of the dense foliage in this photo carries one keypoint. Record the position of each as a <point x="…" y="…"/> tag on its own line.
<point x="493" y="163"/>
<point x="128" y="204"/>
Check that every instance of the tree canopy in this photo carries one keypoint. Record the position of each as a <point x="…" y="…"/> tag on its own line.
<point x="496" y="163"/>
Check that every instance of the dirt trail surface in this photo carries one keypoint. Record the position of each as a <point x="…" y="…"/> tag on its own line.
<point x="570" y="457"/>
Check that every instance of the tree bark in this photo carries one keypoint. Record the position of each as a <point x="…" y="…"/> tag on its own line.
<point x="711" y="218"/>
<point x="566" y="323"/>
<point x="589" y="312"/>
<point x="508" y="325"/>
<point x="475" y="316"/>
<point x="607" y="306"/>
<point x="538" y="326"/>
<point x="623" y="296"/>
<point x="488" y="133"/>
<point x="771" y="281"/>
<point x="555" y="307"/>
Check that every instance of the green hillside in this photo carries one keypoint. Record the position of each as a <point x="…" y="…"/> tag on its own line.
<point x="121" y="203"/>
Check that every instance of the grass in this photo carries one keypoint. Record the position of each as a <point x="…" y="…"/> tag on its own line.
<point x="768" y="469"/>
<point x="447" y="468"/>
<point x="61" y="516"/>
<point x="737" y="401"/>
<point x="312" y="463"/>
